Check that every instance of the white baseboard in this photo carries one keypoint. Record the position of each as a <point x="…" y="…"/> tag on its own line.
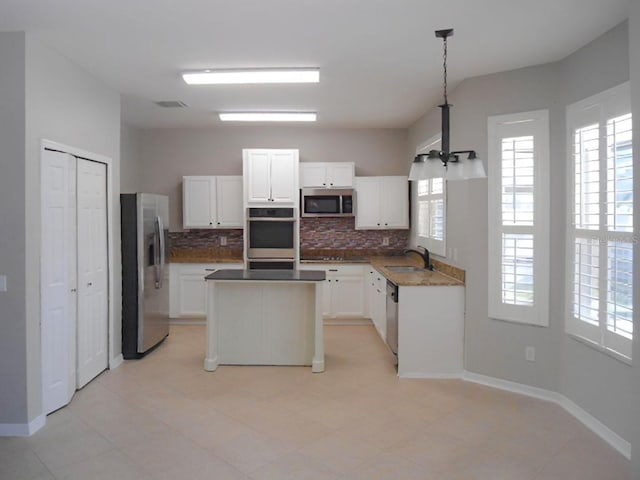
<point x="22" y="429"/>
<point x="115" y="362"/>
<point x="188" y="321"/>
<point x="595" y="425"/>
<point x="346" y="321"/>
<point x="432" y="376"/>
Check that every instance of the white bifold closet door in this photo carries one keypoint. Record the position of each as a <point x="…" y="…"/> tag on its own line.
<point x="58" y="282"/>
<point x="74" y="275"/>
<point x="92" y="271"/>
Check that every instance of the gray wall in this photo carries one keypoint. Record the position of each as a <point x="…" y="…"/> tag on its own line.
<point x="130" y="168"/>
<point x="13" y="354"/>
<point x="596" y="382"/>
<point x="61" y="103"/>
<point x="634" y="71"/>
<point x="168" y="154"/>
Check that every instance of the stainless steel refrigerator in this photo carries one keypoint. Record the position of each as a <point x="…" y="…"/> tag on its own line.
<point x="145" y="272"/>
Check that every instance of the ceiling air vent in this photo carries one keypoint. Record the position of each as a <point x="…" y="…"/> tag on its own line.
<point x="171" y="104"/>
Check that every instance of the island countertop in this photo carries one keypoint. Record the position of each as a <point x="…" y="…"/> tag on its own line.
<point x="268" y="275"/>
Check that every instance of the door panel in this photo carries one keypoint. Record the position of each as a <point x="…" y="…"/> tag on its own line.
<point x="58" y="354"/>
<point x="92" y="271"/>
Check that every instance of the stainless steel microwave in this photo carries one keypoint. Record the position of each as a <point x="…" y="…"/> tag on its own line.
<point x="321" y="202"/>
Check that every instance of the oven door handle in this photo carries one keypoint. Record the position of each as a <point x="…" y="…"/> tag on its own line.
<point x="271" y="219"/>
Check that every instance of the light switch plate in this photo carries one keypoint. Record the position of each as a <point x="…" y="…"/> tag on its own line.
<point x="223" y="241"/>
<point x="3" y="283"/>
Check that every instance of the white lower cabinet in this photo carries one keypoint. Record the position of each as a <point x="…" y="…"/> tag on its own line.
<point x="343" y="293"/>
<point x="188" y="288"/>
<point x="377" y="299"/>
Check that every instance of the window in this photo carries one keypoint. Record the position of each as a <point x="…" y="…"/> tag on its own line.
<point x="600" y="232"/>
<point x="429" y="200"/>
<point x="519" y="217"/>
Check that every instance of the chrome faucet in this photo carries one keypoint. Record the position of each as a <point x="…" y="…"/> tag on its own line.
<point x="424" y="255"/>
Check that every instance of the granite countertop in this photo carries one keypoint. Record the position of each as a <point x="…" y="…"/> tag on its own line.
<point x="443" y="275"/>
<point x="268" y="275"/>
<point x="205" y="255"/>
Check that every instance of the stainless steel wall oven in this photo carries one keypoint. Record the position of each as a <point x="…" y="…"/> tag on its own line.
<point x="271" y="237"/>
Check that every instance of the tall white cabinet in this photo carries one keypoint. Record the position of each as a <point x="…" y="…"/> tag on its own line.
<point x="212" y="201"/>
<point x="382" y="203"/>
<point x="270" y="177"/>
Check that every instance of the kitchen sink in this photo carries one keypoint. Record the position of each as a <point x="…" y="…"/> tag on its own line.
<point x="404" y="269"/>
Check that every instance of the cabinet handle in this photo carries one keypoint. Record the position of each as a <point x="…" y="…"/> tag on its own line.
<point x="333" y="269"/>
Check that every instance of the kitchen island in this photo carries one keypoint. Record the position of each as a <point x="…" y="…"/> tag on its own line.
<point x="265" y="317"/>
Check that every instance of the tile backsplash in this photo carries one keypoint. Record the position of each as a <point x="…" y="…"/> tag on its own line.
<point x="203" y="239"/>
<point x="316" y="234"/>
<point x="340" y="234"/>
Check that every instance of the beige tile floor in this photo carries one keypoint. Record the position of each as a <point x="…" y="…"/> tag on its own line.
<point x="164" y="417"/>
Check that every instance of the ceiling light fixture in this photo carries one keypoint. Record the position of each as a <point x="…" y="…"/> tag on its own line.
<point x="268" y="116"/>
<point x="255" y="75"/>
<point x="425" y="165"/>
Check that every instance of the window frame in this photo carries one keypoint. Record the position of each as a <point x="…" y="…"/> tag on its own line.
<point x="435" y="246"/>
<point x="535" y="124"/>
<point x="598" y="109"/>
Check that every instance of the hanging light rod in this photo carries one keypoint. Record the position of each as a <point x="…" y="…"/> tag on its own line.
<point x="422" y="167"/>
<point x="253" y="75"/>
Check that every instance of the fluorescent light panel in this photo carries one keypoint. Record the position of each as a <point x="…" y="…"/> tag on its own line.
<point x="226" y="77"/>
<point x="268" y="117"/>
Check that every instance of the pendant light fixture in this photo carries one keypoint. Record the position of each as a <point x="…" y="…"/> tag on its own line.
<point x="443" y="163"/>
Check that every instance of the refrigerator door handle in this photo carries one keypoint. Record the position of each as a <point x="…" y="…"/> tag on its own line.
<point x="162" y="253"/>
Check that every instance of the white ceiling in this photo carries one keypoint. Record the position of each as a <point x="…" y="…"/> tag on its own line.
<point x="380" y="63"/>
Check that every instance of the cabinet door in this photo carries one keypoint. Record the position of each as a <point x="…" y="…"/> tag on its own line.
<point x="313" y="174"/>
<point x="199" y="202"/>
<point x="284" y="176"/>
<point x="394" y="212"/>
<point x="340" y="175"/>
<point x="257" y="173"/>
<point x="367" y="203"/>
<point x="229" y="201"/>
<point x="347" y="295"/>
<point x="192" y="298"/>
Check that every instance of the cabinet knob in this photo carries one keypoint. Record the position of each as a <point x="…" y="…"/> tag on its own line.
<point x="378" y="224"/>
<point x="89" y="284"/>
<point x="210" y="223"/>
<point x="331" y="184"/>
<point x="336" y="279"/>
<point x="218" y="223"/>
<point x="386" y="224"/>
<point x="324" y="184"/>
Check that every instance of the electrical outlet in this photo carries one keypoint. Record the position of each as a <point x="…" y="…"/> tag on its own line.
<point x="455" y="254"/>
<point x="3" y="283"/>
<point x="385" y="241"/>
<point x="223" y="241"/>
<point x="530" y="354"/>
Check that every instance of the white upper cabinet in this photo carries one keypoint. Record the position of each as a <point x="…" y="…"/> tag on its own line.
<point x="327" y="175"/>
<point x="229" y="201"/>
<point x="212" y="202"/>
<point x="382" y="202"/>
<point x="270" y="176"/>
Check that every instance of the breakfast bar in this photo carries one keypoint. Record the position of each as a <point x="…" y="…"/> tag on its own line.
<point x="265" y="317"/>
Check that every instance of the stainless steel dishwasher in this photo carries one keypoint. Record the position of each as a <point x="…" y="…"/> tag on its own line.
<point x="392" y="316"/>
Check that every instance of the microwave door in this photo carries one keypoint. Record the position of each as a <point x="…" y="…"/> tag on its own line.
<point x="322" y="204"/>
